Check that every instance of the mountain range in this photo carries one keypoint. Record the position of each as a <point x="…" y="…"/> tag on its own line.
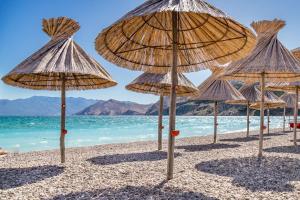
<point x="114" y="107"/>
<point x="42" y="106"/>
<point x="50" y="106"/>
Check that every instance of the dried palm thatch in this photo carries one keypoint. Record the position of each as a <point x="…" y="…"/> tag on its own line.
<point x="163" y="36"/>
<point x="160" y="84"/>
<point x="142" y="39"/>
<point x="61" y="56"/>
<point x="269" y="57"/>
<point x="60" y="65"/>
<point x="271" y="102"/>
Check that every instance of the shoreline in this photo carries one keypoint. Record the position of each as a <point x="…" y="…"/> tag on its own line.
<point x="130" y="142"/>
<point x="226" y="170"/>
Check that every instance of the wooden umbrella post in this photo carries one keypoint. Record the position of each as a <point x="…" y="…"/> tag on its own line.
<point x="160" y="119"/>
<point x="284" y="110"/>
<point x="172" y="111"/>
<point x="268" y="112"/>
<point x="261" y="132"/>
<point x="295" y="116"/>
<point x="290" y="121"/>
<point x="63" y="119"/>
<point x="215" y="121"/>
<point x="248" y="117"/>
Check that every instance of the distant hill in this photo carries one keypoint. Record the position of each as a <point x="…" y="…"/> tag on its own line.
<point x="206" y="108"/>
<point x="42" y="106"/>
<point x="50" y="106"/>
<point x="114" y="107"/>
<point x="186" y="107"/>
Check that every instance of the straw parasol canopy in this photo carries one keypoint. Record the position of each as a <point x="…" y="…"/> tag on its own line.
<point x="296" y="52"/>
<point x="160" y="84"/>
<point x="142" y="39"/>
<point x="215" y="89"/>
<point x="289" y="99"/>
<point x="60" y="65"/>
<point x="62" y="55"/>
<point x="252" y="95"/>
<point x="163" y="36"/>
<point x="292" y="87"/>
<point x="269" y="60"/>
<point x="271" y="101"/>
<point x="269" y="57"/>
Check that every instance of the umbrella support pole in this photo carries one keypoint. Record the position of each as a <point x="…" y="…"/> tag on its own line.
<point x="160" y="119"/>
<point x="248" y="118"/>
<point x="261" y="131"/>
<point x="172" y="111"/>
<point x="290" y="121"/>
<point x="295" y="116"/>
<point x="268" y="112"/>
<point x="283" y="128"/>
<point x="215" y="121"/>
<point x="63" y="119"/>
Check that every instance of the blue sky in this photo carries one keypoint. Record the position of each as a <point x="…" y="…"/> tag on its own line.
<point x="21" y="35"/>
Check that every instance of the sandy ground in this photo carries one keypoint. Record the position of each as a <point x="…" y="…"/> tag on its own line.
<point x="227" y="170"/>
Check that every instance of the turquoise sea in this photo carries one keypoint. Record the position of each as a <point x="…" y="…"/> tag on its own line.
<point x="23" y="134"/>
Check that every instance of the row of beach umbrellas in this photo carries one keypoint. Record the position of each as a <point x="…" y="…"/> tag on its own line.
<point x="167" y="37"/>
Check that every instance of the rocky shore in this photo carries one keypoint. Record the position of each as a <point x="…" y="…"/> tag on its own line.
<point x="227" y="170"/>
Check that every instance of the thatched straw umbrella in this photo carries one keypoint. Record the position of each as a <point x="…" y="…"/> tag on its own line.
<point x="292" y="87"/>
<point x="60" y="65"/>
<point x="269" y="61"/>
<point x="214" y="89"/>
<point x="290" y="100"/>
<point x="252" y="95"/>
<point x="271" y="102"/>
<point x="160" y="84"/>
<point x="163" y="36"/>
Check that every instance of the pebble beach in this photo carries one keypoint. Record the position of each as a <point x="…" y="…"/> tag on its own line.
<point x="226" y="170"/>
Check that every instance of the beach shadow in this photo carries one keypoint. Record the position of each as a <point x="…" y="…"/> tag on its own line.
<point x="296" y="141"/>
<point x="265" y="174"/>
<point x="272" y="134"/>
<point x="242" y="139"/>
<point x="16" y="177"/>
<point x="284" y="149"/>
<point x="135" y="193"/>
<point x="287" y="131"/>
<point x="207" y="147"/>
<point x="131" y="157"/>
